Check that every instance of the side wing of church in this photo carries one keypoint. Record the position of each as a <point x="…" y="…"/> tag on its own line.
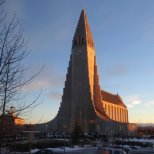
<point x="83" y="101"/>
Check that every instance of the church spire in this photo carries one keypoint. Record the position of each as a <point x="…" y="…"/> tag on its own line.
<point x="83" y="35"/>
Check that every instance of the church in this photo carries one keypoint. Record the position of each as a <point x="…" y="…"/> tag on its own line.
<point x="84" y="103"/>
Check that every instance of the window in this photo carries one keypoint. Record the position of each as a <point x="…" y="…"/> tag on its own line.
<point x="75" y="42"/>
<point x="78" y="40"/>
<point x="82" y="40"/>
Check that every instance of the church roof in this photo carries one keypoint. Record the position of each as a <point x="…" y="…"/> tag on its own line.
<point x="112" y="98"/>
<point x="83" y="29"/>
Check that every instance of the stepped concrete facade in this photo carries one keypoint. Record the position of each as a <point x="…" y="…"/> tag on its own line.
<point x="83" y="101"/>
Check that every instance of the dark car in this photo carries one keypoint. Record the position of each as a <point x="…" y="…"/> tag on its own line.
<point x="45" y="151"/>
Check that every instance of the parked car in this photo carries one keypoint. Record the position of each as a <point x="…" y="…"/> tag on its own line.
<point x="50" y="135"/>
<point x="46" y="151"/>
<point x="142" y="151"/>
<point x="111" y="151"/>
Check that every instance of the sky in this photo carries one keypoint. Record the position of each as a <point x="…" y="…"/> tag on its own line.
<point x="123" y="32"/>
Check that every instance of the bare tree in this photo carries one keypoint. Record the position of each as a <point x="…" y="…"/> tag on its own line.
<point x="12" y="72"/>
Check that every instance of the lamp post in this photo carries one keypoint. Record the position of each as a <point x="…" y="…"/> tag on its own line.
<point x="64" y="143"/>
<point x="107" y="134"/>
<point x="64" y="127"/>
<point x="98" y="134"/>
<point x="121" y="131"/>
<point x="46" y="130"/>
<point x="122" y="142"/>
<point x="133" y="131"/>
<point x="30" y="138"/>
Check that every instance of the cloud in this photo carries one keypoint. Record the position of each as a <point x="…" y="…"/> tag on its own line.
<point x="132" y="100"/>
<point x="56" y="96"/>
<point x="136" y="101"/>
<point x="117" y="70"/>
<point x="129" y="105"/>
<point x="47" y="79"/>
<point x="35" y="85"/>
<point x="149" y="103"/>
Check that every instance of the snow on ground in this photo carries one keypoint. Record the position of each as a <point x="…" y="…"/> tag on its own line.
<point x="70" y="149"/>
<point x="142" y="151"/>
<point x="141" y="140"/>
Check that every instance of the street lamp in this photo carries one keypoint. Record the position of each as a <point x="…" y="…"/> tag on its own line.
<point x="121" y="131"/>
<point x="64" y="142"/>
<point x="97" y="135"/>
<point x="64" y="127"/>
<point x="107" y="134"/>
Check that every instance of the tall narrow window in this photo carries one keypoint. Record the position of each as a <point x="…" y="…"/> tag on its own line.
<point x="78" y="40"/>
<point x="75" y="42"/>
<point x="82" y="41"/>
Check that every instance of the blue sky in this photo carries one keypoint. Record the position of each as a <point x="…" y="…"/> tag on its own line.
<point x="123" y="33"/>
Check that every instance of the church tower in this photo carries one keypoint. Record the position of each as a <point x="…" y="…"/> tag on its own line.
<point x="82" y="102"/>
<point x="78" y="94"/>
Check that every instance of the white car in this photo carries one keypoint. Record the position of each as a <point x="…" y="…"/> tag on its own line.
<point x="50" y="135"/>
<point x="112" y="151"/>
